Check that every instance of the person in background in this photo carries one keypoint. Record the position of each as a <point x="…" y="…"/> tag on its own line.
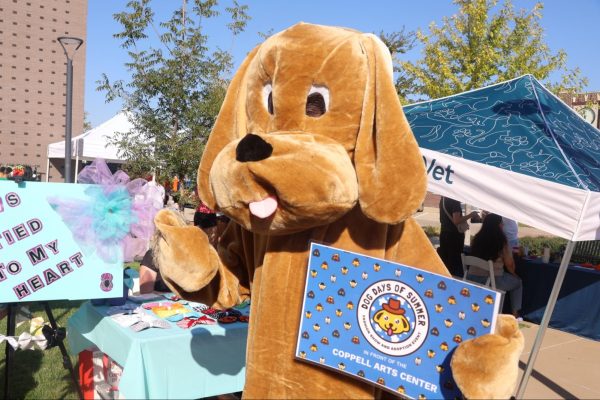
<point x="175" y="184"/>
<point x="490" y="244"/>
<point x="8" y="172"/>
<point x="452" y="241"/>
<point x="511" y="231"/>
<point x="187" y="182"/>
<point x="222" y="222"/>
<point x="159" y="189"/>
<point x="150" y="278"/>
<point x="206" y="219"/>
<point x="170" y="203"/>
<point x="3" y="174"/>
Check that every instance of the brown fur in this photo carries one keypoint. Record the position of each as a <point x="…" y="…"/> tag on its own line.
<point x="492" y="373"/>
<point x="350" y="178"/>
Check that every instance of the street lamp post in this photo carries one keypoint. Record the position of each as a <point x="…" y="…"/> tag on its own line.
<point x="68" y="43"/>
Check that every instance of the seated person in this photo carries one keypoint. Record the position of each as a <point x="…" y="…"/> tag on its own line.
<point x="222" y="222"/>
<point x="7" y="173"/>
<point x="150" y="278"/>
<point x="511" y="230"/>
<point x="206" y="219"/>
<point x="490" y="244"/>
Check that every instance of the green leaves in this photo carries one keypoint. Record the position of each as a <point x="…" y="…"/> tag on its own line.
<point x="482" y="44"/>
<point x="239" y="17"/>
<point x="175" y="88"/>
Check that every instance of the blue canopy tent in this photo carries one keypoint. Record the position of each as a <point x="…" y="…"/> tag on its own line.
<point x="515" y="149"/>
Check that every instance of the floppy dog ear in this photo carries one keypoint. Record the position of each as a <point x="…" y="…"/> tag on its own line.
<point x="390" y="169"/>
<point x="230" y="125"/>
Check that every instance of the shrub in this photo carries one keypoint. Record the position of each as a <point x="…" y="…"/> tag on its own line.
<point x="431" y="231"/>
<point x="536" y="244"/>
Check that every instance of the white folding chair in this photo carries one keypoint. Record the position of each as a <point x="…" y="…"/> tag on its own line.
<point x="472" y="261"/>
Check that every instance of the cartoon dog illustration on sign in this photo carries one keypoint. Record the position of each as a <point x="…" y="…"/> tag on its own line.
<point x="391" y="318"/>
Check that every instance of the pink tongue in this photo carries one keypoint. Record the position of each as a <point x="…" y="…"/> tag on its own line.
<point x="390" y="331"/>
<point x="263" y="208"/>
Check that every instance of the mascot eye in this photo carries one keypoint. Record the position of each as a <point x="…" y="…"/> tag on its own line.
<point x="397" y="321"/>
<point x="386" y="318"/>
<point x="317" y="101"/>
<point x="268" y="97"/>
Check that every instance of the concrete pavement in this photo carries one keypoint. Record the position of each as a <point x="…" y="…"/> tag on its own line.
<point x="567" y="366"/>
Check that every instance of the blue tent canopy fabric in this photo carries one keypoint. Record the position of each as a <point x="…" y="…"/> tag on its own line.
<point x="515" y="149"/>
<point x="520" y="134"/>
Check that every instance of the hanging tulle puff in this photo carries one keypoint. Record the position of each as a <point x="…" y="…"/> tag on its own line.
<point x="115" y="221"/>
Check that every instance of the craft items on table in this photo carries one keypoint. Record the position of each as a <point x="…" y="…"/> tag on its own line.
<point x="242" y="305"/>
<point x="145" y="321"/>
<point x="189" y="322"/>
<point x="135" y="318"/>
<point x="227" y="316"/>
<point x="126" y="308"/>
<point x="143" y="298"/>
<point x="212" y="315"/>
<point x="170" y="311"/>
<point x="173" y="297"/>
<point x="158" y="314"/>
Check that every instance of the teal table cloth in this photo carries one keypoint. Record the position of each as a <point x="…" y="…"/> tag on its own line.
<point x="174" y="363"/>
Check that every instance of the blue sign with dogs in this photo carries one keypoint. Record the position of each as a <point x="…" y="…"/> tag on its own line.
<point x="49" y="250"/>
<point x="390" y="324"/>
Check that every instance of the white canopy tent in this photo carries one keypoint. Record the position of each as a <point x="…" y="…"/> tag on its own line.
<point x="93" y="144"/>
<point x="517" y="150"/>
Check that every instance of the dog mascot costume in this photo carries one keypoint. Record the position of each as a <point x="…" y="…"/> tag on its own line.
<point x="311" y="144"/>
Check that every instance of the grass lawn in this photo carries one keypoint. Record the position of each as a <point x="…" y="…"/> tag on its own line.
<point x="40" y="374"/>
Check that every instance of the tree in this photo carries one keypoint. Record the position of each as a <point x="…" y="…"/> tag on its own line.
<point x="481" y="45"/>
<point x="176" y="90"/>
<point x="399" y="42"/>
<point x="87" y="125"/>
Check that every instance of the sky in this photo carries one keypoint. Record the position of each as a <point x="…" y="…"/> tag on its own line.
<point x="568" y="25"/>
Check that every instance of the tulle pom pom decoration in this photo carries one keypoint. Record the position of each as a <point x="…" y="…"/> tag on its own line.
<point x="115" y="219"/>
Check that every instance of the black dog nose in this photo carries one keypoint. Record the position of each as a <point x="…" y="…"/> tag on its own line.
<point x="252" y="148"/>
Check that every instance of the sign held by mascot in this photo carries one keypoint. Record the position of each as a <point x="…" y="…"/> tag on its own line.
<point x="387" y="323"/>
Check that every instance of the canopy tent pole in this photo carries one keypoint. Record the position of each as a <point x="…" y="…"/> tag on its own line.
<point x="76" y="163"/>
<point x="76" y="168"/>
<point x="562" y="270"/>
<point x="47" y="167"/>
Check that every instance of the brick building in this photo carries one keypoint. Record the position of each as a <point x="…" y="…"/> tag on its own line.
<point x="587" y="104"/>
<point x="33" y="79"/>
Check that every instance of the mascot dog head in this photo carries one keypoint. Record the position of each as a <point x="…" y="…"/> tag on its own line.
<point x="311" y="125"/>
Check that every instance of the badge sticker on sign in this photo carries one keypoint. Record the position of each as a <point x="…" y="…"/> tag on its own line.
<point x="387" y="323"/>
